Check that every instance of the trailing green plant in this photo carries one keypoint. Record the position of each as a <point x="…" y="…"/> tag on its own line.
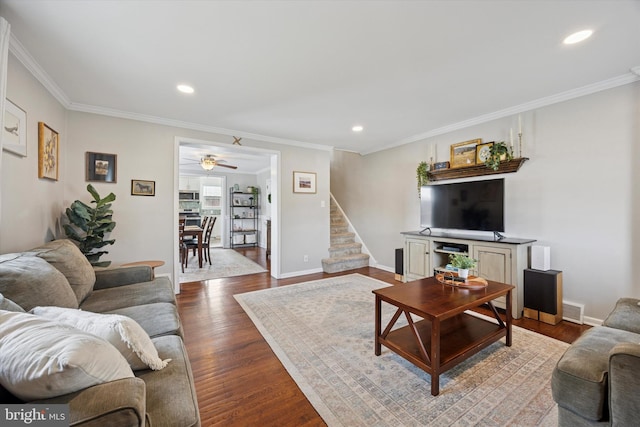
<point x="499" y="152"/>
<point x="422" y="175"/>
<point x="88" y="226"/>
<point x="462" y="261"/>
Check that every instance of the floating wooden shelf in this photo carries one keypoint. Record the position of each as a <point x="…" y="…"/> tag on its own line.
<point x="476" y="170"/>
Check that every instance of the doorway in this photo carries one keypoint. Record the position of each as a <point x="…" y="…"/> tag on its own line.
<point x="246" y="166"/>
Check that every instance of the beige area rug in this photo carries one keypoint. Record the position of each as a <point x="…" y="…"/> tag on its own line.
<point x="224" y="263"/>
<point x="323" y="333"/>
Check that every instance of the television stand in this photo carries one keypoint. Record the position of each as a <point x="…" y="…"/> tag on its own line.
<point x="499" y="259"/>
<point x="497" y="235"/>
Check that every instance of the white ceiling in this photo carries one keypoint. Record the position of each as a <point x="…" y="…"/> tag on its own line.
<point x="307" y="71"/>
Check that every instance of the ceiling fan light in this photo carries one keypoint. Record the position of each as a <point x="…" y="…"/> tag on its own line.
<point x="207" y="163"/>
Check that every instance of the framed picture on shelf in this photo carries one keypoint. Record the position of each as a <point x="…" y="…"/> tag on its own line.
<point x="48" y="152"/>
<point x="304" y="182"/>
<point x="140" y="187"/>
<point x="483" y="151"/>
<point x="101" y="167"/>
<point x="14" y="134"/>
<point x="464" y="153"/>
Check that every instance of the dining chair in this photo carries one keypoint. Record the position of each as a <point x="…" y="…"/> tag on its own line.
<point x="182" y="246"/>
<point x="207" y="238"/>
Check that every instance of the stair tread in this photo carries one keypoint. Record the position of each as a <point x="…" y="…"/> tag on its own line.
<point x="350" y="257"/>
<point x="345" y="245"/>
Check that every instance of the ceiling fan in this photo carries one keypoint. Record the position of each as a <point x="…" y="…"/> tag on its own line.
<point x="209" y="161"/>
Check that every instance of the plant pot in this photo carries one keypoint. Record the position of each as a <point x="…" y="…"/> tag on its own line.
<point x="463" y="273"/>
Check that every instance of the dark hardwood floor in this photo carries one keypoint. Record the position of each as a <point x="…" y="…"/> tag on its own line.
<point x="239" y="380"/>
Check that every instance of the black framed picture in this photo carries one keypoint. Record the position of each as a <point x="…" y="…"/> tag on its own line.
<point x="101" y="167"/>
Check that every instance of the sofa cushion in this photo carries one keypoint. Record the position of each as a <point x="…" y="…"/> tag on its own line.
<point x="109" y="299"/>
<point x="64" y="255"/>
<point x="30" y="281"/>
<point x="8" y="305"/>
<point x="156" y="319"/>
<point x="40" y="359"/>
<point x="626" y="315"/>
<point x="579" y="381"/>
<point x="122" y="332"/>
<point x="176" y="405"/>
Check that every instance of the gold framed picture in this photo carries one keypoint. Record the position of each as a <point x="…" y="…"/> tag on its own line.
<point x="464" y="153"/>
<point x="483" y="151"/>
<point x="48" y="152"/>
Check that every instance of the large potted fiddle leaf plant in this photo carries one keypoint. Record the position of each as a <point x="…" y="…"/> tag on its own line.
<point x="89" y="224"/>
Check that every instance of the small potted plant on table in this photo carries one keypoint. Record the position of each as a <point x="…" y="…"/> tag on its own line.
<point x="463" y="263"/>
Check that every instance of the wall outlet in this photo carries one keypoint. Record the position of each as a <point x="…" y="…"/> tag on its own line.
<point x="306" y="258"/>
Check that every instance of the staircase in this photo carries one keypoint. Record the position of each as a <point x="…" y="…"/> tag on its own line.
<point x="345" y="253"/>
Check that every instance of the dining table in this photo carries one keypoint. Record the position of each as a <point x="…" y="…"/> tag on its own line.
<point x="195" y="231"/>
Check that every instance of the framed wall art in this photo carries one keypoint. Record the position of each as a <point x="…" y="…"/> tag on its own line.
<point x="483" y="152"/>
<point x="304" y="182"/>
<point x="141" y="187"/>
<point x="14" y="134"/>
<point x="48" y="152"/>
<point x="101" y="167"/>
<point x="464" y="153"/>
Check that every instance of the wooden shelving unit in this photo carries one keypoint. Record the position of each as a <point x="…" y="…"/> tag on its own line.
<point x="476" y="170"/>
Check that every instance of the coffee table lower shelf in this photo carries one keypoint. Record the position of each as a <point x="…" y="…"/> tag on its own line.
<point x="460" y="337"/>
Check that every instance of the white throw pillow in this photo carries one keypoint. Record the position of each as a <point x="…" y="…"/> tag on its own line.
<point x="122" y="332"/>
<point x="40" y="359"/>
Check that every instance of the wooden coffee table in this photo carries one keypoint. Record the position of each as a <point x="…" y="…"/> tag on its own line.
<point x="447" y="335"/>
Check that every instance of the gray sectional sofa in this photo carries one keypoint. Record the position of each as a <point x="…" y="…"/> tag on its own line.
<point x="57" y="274"/>
<point x="597" y="380"/>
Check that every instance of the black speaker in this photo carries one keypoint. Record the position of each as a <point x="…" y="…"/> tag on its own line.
<point x="399" y="263"/>
<point x="543" y="295"/>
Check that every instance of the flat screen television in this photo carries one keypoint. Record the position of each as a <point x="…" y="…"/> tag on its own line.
<point x="474" y="205"/>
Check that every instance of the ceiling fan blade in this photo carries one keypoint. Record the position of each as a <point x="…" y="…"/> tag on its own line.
<point x="226" y="166"/>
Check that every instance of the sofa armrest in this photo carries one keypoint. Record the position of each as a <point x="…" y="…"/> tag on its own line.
<point x="116" y="403"/>
<point x="121" y="276"/>
<point x="624" y="383"/>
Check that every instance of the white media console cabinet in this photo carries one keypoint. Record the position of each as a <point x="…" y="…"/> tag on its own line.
<point x="501" y="260"/>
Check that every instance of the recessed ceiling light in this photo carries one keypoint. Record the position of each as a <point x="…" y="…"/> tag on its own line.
<point x="578" y="37"/>
<point x="185" y="89"/>
<point x="357" y="128"/>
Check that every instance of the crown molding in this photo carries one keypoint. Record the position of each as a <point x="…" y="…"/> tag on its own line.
<point x="84" y="108"/>
<point x="528" y="106"/>
<point x="22" y="55"/>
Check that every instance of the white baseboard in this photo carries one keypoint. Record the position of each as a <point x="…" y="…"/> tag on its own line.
<point x="299" y="273"/>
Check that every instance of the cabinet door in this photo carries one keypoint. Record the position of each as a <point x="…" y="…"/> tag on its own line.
<point x="494" y="263"/>
<point x="416" y="259"/>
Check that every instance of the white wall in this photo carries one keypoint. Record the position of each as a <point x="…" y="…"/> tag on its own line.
<point x="578" y="193"/>
<point x="31" y="206"/>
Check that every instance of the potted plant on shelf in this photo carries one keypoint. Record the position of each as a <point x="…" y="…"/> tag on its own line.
<point x="463" y="263"/>
<point x="422" y="174"/>
<point x="499" y="152"/>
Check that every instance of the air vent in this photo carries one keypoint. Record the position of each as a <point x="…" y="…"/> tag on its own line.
<point x="573" y="312"/>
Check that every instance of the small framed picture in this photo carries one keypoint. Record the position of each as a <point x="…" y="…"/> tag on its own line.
<point x="304" y="182"/>
<point x="14" y="134"/>
<point x="483" y="151"/>
<point x="141" y="187"/>
<point x="101" y="167"/>
<point x="464" y="153"/>
<point x="48" y="152"/>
